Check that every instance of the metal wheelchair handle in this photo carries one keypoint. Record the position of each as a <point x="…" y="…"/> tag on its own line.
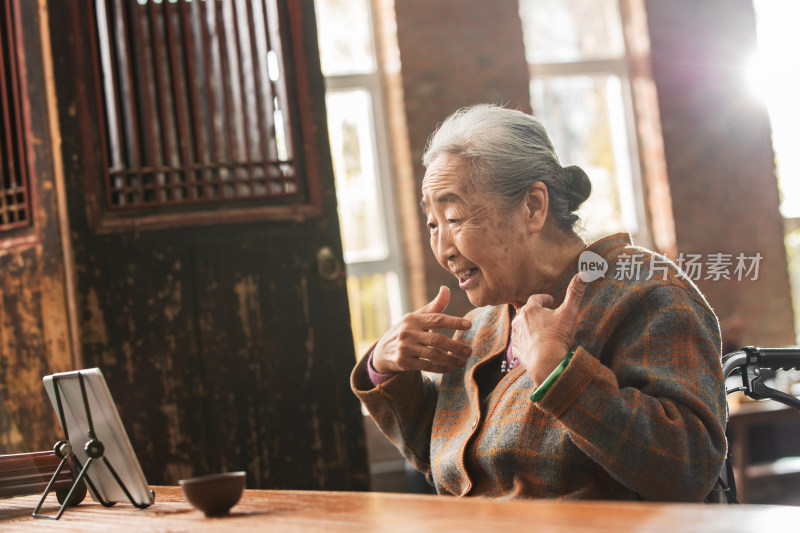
<point x="764" y="358"/>
<point x="733" y="361"/>
<point x="752" y="361"/>
<point x="777" y="358"/>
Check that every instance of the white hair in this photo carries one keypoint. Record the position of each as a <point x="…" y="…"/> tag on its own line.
<point x="507" y="151"/>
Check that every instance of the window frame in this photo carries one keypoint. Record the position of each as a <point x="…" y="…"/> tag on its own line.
<point x="294" y="25"/>
<point x="601" y="67"/>
<point x="22" y="235"/>
<point x="372" y="83"/>
<point x="178" y="134"/>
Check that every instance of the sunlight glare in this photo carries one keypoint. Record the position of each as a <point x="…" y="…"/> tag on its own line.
<point x="773" y="74"/>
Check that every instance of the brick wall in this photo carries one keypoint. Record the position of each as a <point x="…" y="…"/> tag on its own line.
<point x="719" y="159"/>
<point x="650" y="144"/>
<point x="405" y="187"/>
<point x="704" y="141"/>
<point x="455" y="53"/>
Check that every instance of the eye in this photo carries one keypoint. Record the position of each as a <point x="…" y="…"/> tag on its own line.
<point x="453" y="221"/>
<point x="432" y="227"/>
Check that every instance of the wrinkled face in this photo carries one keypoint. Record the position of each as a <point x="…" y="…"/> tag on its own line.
<point x="471" y="237"/>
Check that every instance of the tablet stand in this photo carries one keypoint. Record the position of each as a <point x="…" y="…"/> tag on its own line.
<point x="94" y="449"/>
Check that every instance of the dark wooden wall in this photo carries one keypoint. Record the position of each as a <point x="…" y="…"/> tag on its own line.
<point x="222" y="345"/>
<point x="34" y="325"/>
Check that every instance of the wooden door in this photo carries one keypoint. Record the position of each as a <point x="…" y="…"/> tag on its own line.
<point x="34" y="319"/>
<point x="209" y="279"/>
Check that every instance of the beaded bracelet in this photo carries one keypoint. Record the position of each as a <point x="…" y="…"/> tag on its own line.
<point x="549" y="380"/>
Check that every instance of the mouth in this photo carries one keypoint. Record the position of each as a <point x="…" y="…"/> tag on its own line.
<point x="465" y="276"/>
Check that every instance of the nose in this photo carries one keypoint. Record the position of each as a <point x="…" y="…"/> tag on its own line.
<point x="444" y="247"/>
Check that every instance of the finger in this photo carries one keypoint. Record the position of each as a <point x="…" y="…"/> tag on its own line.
<point x="438" y="321"/>
<point x="540" y="300"/>
<point x="575" y="291"/>
<point x="440" y="357"/>
<point x="444" y="343"/>
<point x="438" y="304"/>
<point x="426" y="358"/>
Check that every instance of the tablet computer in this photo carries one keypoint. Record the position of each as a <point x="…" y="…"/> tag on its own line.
<point x="84" y="390"/>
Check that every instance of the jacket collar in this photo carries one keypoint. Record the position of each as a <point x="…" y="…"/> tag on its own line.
<point x="498" y="320"/>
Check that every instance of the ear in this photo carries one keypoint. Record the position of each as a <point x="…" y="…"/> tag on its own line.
<point x="536" y="204"/>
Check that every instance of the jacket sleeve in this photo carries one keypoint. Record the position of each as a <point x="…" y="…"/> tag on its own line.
<point x="403" y="409"/>
<point x="651" y="409"/>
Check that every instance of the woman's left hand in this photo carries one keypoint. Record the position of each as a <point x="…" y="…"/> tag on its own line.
<point x="542" y="337"/>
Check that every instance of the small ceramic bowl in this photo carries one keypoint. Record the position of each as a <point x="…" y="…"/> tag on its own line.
<point x="214" y="494"/>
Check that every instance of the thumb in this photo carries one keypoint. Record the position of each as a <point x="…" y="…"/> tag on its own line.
<point x="438" y="304"/>
<point x="575" y="291"/>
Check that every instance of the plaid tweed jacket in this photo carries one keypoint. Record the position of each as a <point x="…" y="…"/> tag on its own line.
<point x="639" y="411"/>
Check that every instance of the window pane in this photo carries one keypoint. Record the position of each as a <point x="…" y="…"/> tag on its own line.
<point x="354" y="162"/>
<point x="793" y="257"/>
<point x="345" y="37"/>
<point x="777" y="81"/>
<point x="374" y="307"/>
<point x="571" y="30"/>
<point x="585" y="117"/>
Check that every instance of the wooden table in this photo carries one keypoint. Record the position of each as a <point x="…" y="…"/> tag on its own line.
<point x="279" y="510"/>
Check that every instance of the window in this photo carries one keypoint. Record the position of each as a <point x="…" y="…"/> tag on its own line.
<point x="15" y="210"/>
<point x="359" y="149"/>
<point x="776" y="79"/>
<point x="195" y="102"/>
<point x="579" y="89"/>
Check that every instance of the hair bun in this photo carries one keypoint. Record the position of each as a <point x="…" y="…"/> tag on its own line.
<point x="578" y="185"/>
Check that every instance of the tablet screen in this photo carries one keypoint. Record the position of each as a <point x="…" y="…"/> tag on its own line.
<point x="108" y="429"/>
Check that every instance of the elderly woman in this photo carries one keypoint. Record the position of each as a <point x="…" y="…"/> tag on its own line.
<point x="554" y="386"/>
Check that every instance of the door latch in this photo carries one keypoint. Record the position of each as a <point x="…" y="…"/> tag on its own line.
<point x="329" y="267"/>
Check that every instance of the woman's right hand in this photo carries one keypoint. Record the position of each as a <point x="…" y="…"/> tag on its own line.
<point x="412" y="343"/>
